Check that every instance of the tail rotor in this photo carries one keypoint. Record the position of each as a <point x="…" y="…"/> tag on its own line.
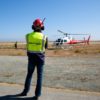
<point x="88" y="40"/>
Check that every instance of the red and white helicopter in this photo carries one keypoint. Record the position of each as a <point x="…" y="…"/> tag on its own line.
<point x="68" y="40"/>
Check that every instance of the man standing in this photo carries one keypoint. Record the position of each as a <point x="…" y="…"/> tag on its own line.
<point x="36" y="45"/>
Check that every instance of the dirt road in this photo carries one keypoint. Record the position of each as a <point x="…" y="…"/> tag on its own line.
<point x="72" y="72"/>
<point x="48" y="93"/>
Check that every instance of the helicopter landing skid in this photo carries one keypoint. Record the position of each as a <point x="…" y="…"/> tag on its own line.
<point x="66" y="47"/>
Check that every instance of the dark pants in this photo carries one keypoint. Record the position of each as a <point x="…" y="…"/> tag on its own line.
<point x="34" y="60"/>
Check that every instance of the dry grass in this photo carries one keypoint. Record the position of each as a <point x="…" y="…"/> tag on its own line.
<point x="9" y="49"/>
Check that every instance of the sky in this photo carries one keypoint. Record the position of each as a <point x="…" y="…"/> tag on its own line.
<point x="71" y="16"/>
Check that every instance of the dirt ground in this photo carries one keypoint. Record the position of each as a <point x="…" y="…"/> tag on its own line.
<point x="79" y="49"/>
<point x="7" y="92"/>
<point x="76" y="68"/>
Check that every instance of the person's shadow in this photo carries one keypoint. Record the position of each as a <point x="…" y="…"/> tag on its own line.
<point x="14" y="97"/>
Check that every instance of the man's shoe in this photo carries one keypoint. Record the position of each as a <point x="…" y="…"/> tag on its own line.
<point x="35" y="98"/>
<point x="21" y="94"/>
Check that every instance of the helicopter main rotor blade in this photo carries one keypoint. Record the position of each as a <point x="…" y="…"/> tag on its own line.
<point x="70" y="33"/>
<point x="62" y="32"/>
<point x="78" y="34"/>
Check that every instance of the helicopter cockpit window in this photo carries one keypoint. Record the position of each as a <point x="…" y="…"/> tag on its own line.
<point x="59" y="40"/>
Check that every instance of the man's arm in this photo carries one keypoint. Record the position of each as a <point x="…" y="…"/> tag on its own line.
<point x="46" y="44"/>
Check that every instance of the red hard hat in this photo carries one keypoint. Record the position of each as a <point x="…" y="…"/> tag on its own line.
<point x="37" y="23"/>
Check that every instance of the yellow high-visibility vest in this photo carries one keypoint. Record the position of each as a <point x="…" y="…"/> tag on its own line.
<point x="36" y="42"/>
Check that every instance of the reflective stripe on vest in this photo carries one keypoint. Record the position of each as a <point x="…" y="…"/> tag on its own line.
<point x="36" y="42"/>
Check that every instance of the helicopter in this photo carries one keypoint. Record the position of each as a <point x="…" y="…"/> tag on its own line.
<point x="68" y="41"/>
